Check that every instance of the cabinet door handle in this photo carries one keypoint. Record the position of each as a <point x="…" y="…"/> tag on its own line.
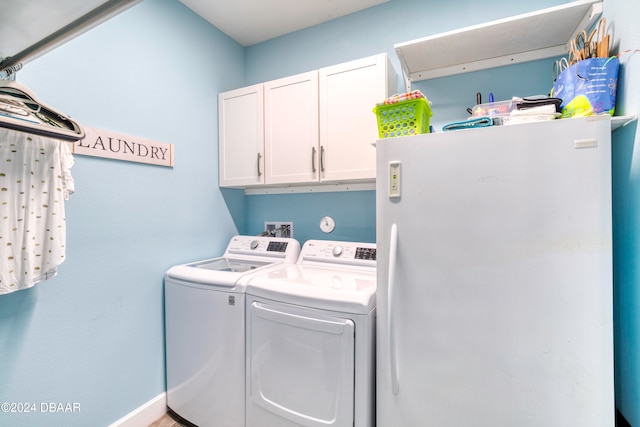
<point x="313" y="159"/>
<point x="321" y="158"/>
<point x="259" y="157"/>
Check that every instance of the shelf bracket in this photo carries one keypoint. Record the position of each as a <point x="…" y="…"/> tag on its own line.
<point x="407" y="83"/>
<point x="588" y="21"/>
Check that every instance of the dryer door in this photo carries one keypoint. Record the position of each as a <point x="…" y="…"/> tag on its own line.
<point x="300" y="367"/>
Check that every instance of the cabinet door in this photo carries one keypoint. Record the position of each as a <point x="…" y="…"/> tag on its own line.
<point x="348" y="93"/>
<point x="241" y="137"/>
<point x="291" y="129"/>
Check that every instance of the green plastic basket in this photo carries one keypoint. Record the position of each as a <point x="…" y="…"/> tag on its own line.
<point x="403" y="118"/>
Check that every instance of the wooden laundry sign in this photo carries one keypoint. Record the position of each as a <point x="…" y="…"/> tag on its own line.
<point x="102" y="143"/>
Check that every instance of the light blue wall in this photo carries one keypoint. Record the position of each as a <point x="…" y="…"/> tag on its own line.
<point x="353" y="211"/>
<point x="94" y="335"/>
<point x="626" y="210"/>
<point x="372" y="31"/>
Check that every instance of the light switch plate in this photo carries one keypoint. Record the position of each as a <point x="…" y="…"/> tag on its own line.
<point x="394" y="179"/>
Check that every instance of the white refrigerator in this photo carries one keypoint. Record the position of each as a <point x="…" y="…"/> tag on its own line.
<point x="495" y="277"/>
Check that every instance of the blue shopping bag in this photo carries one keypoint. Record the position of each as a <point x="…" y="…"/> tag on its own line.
<point x="588" y="87"/>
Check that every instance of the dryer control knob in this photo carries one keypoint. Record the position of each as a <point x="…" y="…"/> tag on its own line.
<point x="337" y="251"/>
<point x="254" y="244"/>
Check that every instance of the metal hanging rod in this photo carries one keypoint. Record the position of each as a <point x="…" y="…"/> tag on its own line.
<point x="91" y="19"/>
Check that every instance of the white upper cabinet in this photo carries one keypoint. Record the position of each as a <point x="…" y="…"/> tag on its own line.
<point x="241" y="136"/>
<point x="311" y="128"/>
<point x="291" y="129"/>
<point x="348" y="126"/>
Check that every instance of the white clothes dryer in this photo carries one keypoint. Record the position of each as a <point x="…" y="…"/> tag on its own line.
<point x="311" y="339"/>
<point x="205" y="329"/>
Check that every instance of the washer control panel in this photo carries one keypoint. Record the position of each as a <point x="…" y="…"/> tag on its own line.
<point x="259" y="246"/>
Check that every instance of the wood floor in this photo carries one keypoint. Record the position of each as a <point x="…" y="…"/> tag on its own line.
<point x="170" y="419"/>
<point x="173" y="420"/>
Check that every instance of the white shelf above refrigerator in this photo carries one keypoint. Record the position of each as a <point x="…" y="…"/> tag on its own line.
<point x="536" y="35"/>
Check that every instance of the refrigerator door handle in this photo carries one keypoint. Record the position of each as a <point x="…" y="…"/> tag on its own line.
<point x="393" y="362"/>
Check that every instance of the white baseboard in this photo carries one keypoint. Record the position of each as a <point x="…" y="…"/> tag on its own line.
<point x="145" y="414"/>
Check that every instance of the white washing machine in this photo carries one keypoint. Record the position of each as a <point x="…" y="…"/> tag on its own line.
<point x="205" y="329"/>
<point x="311" y="339"/>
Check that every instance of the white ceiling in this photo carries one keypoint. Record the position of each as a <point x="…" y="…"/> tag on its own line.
<point x="253" y="21"/>
<point x="25" y="23"/>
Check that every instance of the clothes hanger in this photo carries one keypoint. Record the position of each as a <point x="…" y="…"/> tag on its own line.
<point x="40" y="119"/>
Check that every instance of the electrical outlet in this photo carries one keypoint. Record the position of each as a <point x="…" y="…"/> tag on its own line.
<point x="278" y="228"/>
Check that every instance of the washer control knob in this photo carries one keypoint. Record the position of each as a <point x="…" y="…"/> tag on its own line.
<point x="337" y="251"/>
<point x="254" y="244"/>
